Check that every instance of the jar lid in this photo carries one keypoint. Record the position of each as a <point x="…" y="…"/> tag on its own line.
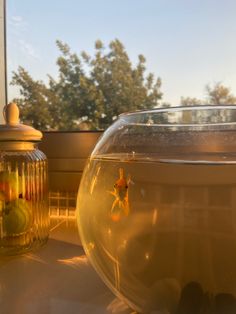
<point x="12" y="130"/>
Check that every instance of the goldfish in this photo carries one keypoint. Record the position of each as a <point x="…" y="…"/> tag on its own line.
<point x="120" y="192"/>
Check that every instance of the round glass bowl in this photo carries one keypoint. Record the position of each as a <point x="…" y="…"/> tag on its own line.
<point x="157" y="209"/>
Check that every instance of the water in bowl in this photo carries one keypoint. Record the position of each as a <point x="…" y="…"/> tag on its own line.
<point x="162" y="231"/>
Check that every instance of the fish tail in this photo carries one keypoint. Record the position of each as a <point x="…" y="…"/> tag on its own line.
<point x="114" y="205"/>
<point x="126" y="208"/>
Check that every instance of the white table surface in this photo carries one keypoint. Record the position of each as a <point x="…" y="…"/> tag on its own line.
<point x="56" y="279"/>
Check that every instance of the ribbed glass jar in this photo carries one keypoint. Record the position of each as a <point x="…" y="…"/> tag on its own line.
<point x="24" y="214"/>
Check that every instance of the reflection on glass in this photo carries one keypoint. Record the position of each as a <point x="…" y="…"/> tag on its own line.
<point x="174" y="251"/>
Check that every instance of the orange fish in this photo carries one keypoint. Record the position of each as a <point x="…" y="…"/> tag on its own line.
<point x="121" y="195"/>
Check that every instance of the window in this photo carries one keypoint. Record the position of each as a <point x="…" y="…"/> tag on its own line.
<point x="76" y="65"/>
<point x="99" y="55"/>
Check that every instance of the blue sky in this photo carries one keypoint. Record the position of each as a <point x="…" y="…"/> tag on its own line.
<point x="188" y="43"/>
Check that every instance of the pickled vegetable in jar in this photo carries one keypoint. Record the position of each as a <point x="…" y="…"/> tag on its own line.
<point x="24" y="213"/>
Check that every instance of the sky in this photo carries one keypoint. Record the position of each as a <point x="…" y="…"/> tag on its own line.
<point x="187" y="43"/>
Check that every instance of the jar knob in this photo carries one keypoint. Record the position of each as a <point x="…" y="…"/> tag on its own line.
<point x="11" y="113"/>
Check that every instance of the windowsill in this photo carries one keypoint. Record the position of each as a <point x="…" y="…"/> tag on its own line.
<point x="55" y="279"/>
<point x="67" y="153"/>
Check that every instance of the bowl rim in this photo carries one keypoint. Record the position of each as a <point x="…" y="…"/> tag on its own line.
<point x="126" y="117"/>
<point x="179" y="108"/>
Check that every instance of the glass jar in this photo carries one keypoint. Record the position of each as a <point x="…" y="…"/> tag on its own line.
<point x="24" y="214"/>
<point x="157" y="210"/>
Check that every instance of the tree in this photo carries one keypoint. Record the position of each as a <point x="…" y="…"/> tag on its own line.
<point x="32" y="93"/>
<point x="89" y="90"/>
<point x="189" y="101"/>
<point x="219" y="94"/>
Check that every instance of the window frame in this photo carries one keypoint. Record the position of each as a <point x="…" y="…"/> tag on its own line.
<point x="3" y="63"/>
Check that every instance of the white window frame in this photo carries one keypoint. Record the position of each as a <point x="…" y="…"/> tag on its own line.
<point x="3" y="67"/>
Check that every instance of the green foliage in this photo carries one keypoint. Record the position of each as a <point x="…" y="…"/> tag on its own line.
<point x="189" y="101"/>
<point x="217" y="94"/>
<point x="35" y="99"/>
<point x="89" y="92"/>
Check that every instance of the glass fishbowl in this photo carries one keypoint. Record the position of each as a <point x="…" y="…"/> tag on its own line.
<point x="156" y="210"/>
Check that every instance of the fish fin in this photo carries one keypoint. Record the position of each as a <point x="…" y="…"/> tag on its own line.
<point x="126" y="208"/>
<point x="115" y="216"/>
<point x="129" y="181"/>
<point x="114" y="204"/>
<point x="112" y="193"/>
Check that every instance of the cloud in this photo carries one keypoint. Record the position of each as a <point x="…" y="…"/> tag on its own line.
<point x="17" y="18"/>
<point x="17" y="30"/>
<point x="28" y="49"/>
<point x="17" y="21"/>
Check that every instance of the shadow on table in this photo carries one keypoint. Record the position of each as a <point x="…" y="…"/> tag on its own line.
<point x="56" y="279"/>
